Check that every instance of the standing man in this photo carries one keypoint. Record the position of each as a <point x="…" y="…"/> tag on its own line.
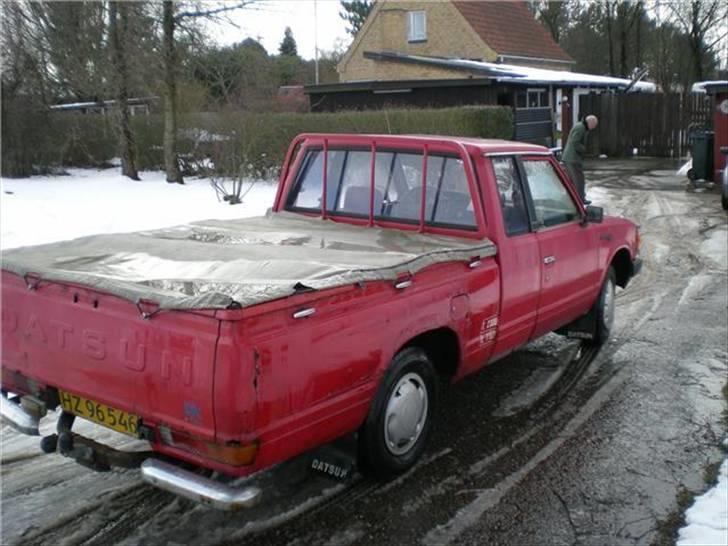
<point x="573" y="157"/>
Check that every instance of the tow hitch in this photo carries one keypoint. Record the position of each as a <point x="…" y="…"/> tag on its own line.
<point x="87" y="452"/>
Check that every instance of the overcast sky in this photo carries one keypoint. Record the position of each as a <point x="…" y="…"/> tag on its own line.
<point x="266" y="20"/>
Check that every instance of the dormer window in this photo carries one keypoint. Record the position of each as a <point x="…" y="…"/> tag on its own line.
<point x="416" y="26"/>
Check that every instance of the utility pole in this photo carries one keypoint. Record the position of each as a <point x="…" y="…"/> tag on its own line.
<point x="315" y="39"/>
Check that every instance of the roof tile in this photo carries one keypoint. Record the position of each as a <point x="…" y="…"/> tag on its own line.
<point x="509" y="28"/>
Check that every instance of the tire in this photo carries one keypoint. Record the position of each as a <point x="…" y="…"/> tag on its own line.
<point x="406" y="397"/>
<point x="604" y="309"/>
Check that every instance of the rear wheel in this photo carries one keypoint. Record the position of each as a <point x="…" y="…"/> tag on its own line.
<point x="605" y="308"/>
<point x="400" y="418"/>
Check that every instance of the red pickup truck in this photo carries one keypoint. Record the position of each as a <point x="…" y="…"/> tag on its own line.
<point x="234" y="345"/>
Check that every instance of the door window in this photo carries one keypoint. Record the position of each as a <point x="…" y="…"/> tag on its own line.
<point x="552" y="202"/>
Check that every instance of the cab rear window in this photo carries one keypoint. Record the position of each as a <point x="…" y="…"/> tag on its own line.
<point x="398" y="187"/>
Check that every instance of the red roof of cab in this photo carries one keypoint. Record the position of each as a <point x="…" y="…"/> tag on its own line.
<point x="486" y="145"/>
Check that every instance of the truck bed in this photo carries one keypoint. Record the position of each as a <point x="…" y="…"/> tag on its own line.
<point x="237" y="263"/>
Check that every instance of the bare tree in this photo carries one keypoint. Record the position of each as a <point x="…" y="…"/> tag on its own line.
<point x="706" y="24"/>
<point x="629" y="16"/>
<point x="118" y="34"/>
<point x="555" y="15"/>
<point x="171" y="19"/>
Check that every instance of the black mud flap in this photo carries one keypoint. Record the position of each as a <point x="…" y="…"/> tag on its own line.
<point x="332" y="462"/>
<point x="582" y="328"/>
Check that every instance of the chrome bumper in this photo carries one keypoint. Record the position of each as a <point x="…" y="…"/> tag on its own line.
<point x="197" y="488"/>
<point x="18" y="417"/>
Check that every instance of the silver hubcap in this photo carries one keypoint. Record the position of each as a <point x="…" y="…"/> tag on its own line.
<point x="406" y="414"/>
<point x="609" y="305"/>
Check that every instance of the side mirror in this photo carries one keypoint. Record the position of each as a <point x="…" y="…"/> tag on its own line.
<point x="594" y="215"/>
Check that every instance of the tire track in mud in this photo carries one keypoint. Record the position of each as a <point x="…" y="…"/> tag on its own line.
<point x="115" y="517"/>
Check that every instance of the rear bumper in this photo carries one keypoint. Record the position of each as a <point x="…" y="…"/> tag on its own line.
<point x="198" y="488"/>
<point x="154" y="471"/>
<point x="18" y="417"/>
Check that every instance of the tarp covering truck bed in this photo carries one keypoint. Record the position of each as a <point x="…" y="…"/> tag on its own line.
<point x="219" y="264"/>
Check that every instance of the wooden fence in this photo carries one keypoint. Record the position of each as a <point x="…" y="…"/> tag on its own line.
<point x="655" y="124"/>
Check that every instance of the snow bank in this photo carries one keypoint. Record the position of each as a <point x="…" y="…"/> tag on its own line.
<point x="707" y="518"/>
<point x="45" y="209"/>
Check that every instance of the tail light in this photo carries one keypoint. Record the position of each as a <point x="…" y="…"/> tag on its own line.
<point x="231" y="453"/>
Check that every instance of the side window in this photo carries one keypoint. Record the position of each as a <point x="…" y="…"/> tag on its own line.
<point x="447" y="199"/>
<point x="451" y="203"/>
<point x="513" y="204"/>
<point x="552" y="202"/>
<point x="307" y="193"/>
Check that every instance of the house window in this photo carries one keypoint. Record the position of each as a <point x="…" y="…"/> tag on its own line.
<point x="416" y="26"/>
<point x="533" y="98"/>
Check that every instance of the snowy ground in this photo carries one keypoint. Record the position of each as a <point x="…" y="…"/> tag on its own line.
<point x="43" y="209"/>
<point x="52" y="208"/>
<point x="707" y="518"/>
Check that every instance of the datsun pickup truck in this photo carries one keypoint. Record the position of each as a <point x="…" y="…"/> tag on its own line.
<point x="231" y="346"/>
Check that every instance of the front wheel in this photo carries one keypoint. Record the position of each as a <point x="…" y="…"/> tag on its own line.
<point x="395" y="432"/>
<point x="605" y="309"/>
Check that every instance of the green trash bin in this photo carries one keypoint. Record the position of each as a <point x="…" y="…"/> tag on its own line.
<point x="701" y="148"/>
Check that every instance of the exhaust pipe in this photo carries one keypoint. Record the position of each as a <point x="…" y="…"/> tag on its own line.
<point x="18" y="417"/>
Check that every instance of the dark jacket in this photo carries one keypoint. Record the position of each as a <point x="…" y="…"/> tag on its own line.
<point x="576" y="144"/>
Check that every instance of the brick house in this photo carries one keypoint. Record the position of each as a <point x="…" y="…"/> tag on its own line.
<point x="499" y="32"/>
<point x="454" y="52"/>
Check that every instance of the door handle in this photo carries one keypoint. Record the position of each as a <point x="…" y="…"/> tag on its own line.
<point x="303" y="313"/>
<point x="548" y="260"/>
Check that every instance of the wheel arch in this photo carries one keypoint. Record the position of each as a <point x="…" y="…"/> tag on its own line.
<point x="623" y="268"/>
<point x="442" y="345"/>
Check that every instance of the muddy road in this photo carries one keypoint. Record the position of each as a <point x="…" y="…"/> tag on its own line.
<point x="556" y="444"/>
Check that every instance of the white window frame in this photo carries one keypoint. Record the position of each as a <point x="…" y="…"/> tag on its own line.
<point x="416" y="34"/>
<point x="538" y="90"/>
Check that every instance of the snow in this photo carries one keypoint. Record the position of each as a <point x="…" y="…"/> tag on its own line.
<point x="707" y="519"/>
<point x="683" y="171"/>
<point x="715" y="247"/>
<point x="696" y="285"/>
<point x="527" y="74"/>
<point x="700" y="87"/>
<point x="45" y="209"/>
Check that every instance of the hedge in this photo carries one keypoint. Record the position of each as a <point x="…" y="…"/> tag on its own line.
<point x="242" y="141"/>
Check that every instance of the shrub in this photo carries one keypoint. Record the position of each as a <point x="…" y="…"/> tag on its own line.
<point x="241" y="141"/>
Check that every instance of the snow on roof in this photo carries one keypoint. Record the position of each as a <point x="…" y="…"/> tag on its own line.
<point x="529" y="74"/>
<point x="704" y="87"/>
<point x="515" y="73"/>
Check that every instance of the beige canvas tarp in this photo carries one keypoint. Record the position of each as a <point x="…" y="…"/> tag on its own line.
<point x="219" y="264"/>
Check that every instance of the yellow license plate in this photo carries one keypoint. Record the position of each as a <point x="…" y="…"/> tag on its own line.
<point x="102" y="414"/>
